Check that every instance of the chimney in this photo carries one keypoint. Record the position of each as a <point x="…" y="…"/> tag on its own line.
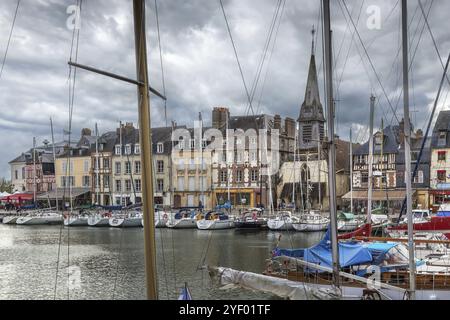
<point x="277" y="122"/>
<point x="289" y="125"/>
<point x="219" y="117"/>
<point x="86" y="132"/>
<point x="419" y="134"/>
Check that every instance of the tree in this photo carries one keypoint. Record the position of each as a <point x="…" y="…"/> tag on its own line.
<point x="5" y="185"/>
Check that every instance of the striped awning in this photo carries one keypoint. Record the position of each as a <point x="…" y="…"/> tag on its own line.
<point x="377" y="195"/>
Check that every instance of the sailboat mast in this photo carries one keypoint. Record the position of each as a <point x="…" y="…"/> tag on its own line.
<point x="226" y="157"/>
<point x="54" y="161"/>
<point x="121" y="161"/>
<point x="202" y="195"/>
<point x="370" y="175"/>
<point x="407" y="135"/>
<point x="351" y="171"/>
<point x="146" y="149"/>
<point x="97" y="166"/>
<point x="331" y="143"/>
<point x="295" y="163"/>
<point x="34" y="170"/>
<point x="319" y="168"/>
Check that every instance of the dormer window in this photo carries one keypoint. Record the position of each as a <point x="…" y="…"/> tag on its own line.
<point x="379" y="139"/>
<point x="442" y="138"/>
<point x="160" y="147"/>
<point x="128" y="149"/>
<point x="137" y="149"/>
<point x="118" y="150"/>
<point x="181" y="144"/>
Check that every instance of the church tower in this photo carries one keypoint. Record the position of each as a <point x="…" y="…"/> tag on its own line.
<point x="311" y="120"/>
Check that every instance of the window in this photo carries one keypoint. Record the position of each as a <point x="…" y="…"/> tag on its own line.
<point x="364" y="177"/>
<point x="238" y="157"/>
<point x="442" y="138"/>
<point x="254" y="175"/>
<point x="253" y="140"/>
<point x="106" y="181"/>
<point x="181" y="164"/>
<point x="181" y="144"/>
<point x="138" y="185"/>
<point x="86" y="166"/>
<point x="203" y="184"/>
<point x="118" y="150"/>
<point x="239" y="176"/>
<point x="128" y="185"/>
<point x="16" y="174"/>
<point x="118" y="185"/>
<point x="441" y="155"/>
<point x="160" y="166"/>
<point x="128" y="149"/>
<point x="180" y="183"/>
<point x="160" y="148"/>
<point x="419" y="177"/>
<point x="191" y="183"/>
<point x="204" y="143"/>
<point x="86" y="181"/>
<point x="253" y="156"/>
<point x="223" y="176"/>
<point x="67" y="181"/>
<point x="118" y="167"/>
<point x="23" y="173"/>
<point x="192" y="143"/>
<point x="441" y="175"/>
<point x="137" y="167"/>
<point x="128" y="167"/>
<point x="192" y="165"/>
<point x="137" y="149"/>
<point x="106" y="163"/>
<point x="160" y="185"/>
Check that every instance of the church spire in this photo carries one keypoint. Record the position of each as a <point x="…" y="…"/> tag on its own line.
<point x="313" y="33"/>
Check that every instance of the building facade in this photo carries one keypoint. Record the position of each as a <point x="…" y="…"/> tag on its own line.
<point x="440" y="161"/>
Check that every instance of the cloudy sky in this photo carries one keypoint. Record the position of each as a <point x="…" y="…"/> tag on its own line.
<point x="200" y="67"/>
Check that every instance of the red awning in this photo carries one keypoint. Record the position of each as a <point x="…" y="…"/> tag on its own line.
<point x="18" y="197"/>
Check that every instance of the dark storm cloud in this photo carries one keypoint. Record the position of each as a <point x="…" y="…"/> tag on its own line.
<point x="200" y="67"/>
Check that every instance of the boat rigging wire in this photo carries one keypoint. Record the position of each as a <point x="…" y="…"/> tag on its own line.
<point x="264" y="54"/>
<point x="237" y="57"/>
<point x="9" y="38"/>
<point x="371" y="63"/>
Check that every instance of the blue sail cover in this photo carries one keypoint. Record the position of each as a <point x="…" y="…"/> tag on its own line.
<point x="443" y="214"/>
<point x="349" y="253"/>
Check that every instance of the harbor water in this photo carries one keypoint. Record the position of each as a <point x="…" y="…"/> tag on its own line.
<point x="54" y="262"/>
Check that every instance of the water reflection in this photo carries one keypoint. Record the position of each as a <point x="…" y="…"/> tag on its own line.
<point x="111" y="261"/>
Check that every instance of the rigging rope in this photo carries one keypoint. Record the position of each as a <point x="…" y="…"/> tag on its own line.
<point x="9" y="38"/>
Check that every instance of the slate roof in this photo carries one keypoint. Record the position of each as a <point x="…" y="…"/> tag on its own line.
<point x="442" y="124"/>
<point x="391" y="142"/>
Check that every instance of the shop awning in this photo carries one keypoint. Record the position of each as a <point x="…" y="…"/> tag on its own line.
<point x="377" y="195"/>
<point x="18" y="197"/>
<point x="60" y="192"/>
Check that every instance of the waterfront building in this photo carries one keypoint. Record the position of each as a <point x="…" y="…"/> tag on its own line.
<point x="191" y="170"/>
<point x="388" y="170"/>
<point x="127" y="166"/>
<point x="440" y="161"/>
<point x="246" y="171"/>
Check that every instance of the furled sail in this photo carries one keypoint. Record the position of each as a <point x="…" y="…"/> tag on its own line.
<point x="282" y="288"/>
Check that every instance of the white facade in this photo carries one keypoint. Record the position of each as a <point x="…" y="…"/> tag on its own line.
<point x="18" y="176"/>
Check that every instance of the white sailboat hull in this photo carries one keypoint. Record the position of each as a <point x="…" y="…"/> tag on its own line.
<point x="98" y="221"/>
<point x="184" y="223"/>
<point x="310" y="227"/>
<point x="10" y="220"/>
<point x="76" y="222"/>
<point x="280" y="225"/>
<point x="125" y="222"/>
<point x="40" y="220"/>
<point x="215" y="224"/>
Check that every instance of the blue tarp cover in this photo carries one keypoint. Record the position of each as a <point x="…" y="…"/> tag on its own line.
<point x="443" y="214"/>
<point x="349" y="253"/>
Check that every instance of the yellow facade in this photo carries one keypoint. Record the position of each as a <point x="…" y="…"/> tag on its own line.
<point x="79" y="172"/>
